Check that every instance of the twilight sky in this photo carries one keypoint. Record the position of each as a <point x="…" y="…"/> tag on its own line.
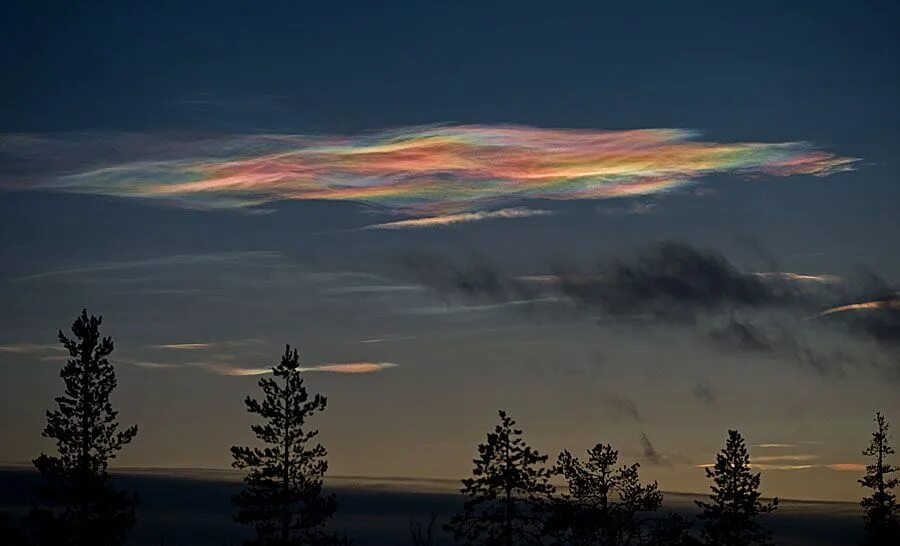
<point x="639" y="224"/>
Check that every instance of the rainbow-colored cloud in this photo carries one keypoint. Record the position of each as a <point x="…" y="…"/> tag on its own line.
<point x="440" y="170"/>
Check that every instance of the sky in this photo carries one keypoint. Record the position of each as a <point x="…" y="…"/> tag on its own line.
<point x="633" y="223"/>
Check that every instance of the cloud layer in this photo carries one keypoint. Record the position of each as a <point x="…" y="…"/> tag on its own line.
<point x="434" y="170"/>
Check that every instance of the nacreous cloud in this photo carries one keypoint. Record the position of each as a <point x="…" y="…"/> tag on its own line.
<point x="428" y="171"/>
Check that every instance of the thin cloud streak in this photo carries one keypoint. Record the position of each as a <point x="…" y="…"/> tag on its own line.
<point x="799" y="277"/>
<point x="461" y="218"/>
<point x="29" y="348"/>
<point x="786" y="457"/>
<point x="202" y="346"/>
<point x="388" y="339"/>
<point x="341" y="368"/>
<point x="252" y="256"/>
<point x="350" y="367"/>
<point x="837" y="467"/>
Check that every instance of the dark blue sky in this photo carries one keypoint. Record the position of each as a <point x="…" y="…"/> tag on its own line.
<point x="820" y="72"/>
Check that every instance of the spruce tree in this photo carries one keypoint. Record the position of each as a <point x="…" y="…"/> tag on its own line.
<point x="506" y="493"/>
<point x="882" y="514"/>
<point x="82" y="504"/>
<point x="605" y="502"/>
<point x="283" y="498"/>
<point x="730" y="518"/>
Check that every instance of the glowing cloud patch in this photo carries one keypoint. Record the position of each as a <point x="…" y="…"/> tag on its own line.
<point x="351" y="367"/>
<point x="876" y="305"/>
<point x="847" y="467"/>
<point x="431" y="171"/>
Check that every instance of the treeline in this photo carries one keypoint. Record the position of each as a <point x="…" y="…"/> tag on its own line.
<point x="510" y="498"/>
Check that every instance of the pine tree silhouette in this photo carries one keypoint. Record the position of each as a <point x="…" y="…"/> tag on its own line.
<point x="283" y="498"/>
<point x="730" y="519"/>
<point x="882" y="514"/>
<point x="83" y="504"/>
<point x="506" y="493"/>
<point x="604" y="503"/>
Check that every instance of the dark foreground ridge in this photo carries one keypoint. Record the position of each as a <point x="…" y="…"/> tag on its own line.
<point x="193" y="508"/>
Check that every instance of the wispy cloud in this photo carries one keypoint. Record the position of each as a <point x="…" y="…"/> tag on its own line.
<point x="456" y="309"/>
<point x="387" y="339"/>
<point x="376" y="289"/>
<point x="704" y="392"/>
<point x="153" y="365"/>
<point x="460" y="218"/>
<point x="837" y="467"/>
<point x="622" y="407"/>
<point x="253" y="256"/>
<point x="773" y="446"/>
<point x="785" y="457"/>
<point x="208" y="345"/>
<point x="799" y="277"/>
<point x="651" y="455"/>
<point x="433" y="170"/>
<point x="227" y="369"/>
<point x="29" y="348"/>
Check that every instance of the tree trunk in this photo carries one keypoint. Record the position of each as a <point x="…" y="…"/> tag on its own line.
<point x="285" y="506"/>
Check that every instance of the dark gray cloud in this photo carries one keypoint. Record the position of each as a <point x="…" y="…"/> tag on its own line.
<point x="668" y="281"/>
<point x="622" y="407"/>
<point x="651" y="455"/>
<point x="777" y="339"/>
<point x="771" y="313"/>
<point x="703" y="391"/>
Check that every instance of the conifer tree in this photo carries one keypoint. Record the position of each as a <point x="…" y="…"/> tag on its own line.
<point x="730" y="518"/>
<point x="604" y="503"/>
<point x="83" y="505"/>
<point x="882" y="514"/>
<point x="506" y="493"/>
<point x="283" y="498"/>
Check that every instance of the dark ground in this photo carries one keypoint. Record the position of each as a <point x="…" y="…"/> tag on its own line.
<point x="192" y="508"/>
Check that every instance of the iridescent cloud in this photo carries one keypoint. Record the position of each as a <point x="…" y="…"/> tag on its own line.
<point x="429" y="171"/>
